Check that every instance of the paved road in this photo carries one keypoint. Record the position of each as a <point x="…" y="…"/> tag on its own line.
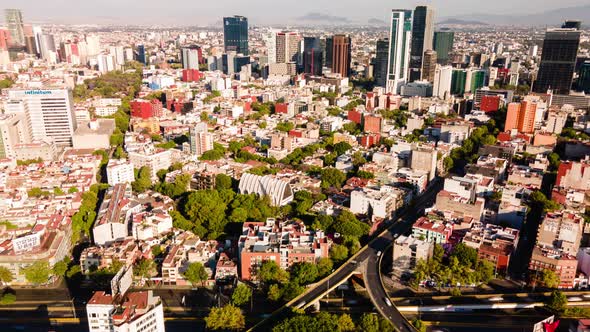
<point x="368" y="254"/>
<point x="374" y="285"/>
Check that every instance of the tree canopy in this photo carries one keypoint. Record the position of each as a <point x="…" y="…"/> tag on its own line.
<point x="225" y="318"/>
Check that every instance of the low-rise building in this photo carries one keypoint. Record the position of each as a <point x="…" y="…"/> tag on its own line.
<point x="493" y="243"/>
<point x="549" y="258"/>
<point x="408" y="250"/>
<point x="432" y="230"/>
<point x="119" y="171"/>
<point x="284" y="242"/>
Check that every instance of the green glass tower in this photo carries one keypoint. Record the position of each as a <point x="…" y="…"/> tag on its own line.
<point x="458" y="81"/>
<point x="443" y="45"/>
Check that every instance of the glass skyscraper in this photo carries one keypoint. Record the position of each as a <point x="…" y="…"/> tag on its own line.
<point x="399" y="49"/>
<point x="422" y="34"/>
<point x="14" y="23"/>
<point x="558" y="61"/>
<point x="443" y="45"/>
<point x="312" y="56"/>
<point x="380" y="65"/>
<point x="235" y="34"/>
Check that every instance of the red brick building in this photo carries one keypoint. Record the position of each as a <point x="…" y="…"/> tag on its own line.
<point x="355" y="116"/>
<point x="191" y="75"/>
<point x="372" y="124"/>
<point x="490" y="103"/>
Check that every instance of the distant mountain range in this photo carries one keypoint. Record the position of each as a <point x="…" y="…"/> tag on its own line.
<point x="323" y="18"/>
<point x="551" y="18"/>
<point x="456" y="21"/>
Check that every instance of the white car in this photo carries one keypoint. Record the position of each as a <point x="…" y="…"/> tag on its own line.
<point x="496" y="299"/>
<point x="575" y="299"/>
<point x="379" y="253"/>
<point x="387" y="301"/>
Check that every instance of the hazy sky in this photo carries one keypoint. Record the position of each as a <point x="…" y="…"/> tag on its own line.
<point x="204" y="12"/>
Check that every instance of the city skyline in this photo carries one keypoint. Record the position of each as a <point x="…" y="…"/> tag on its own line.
<point x="178" y="13"/>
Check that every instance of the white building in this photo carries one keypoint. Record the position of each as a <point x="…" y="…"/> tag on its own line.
<point x="13" y="131"/>
<point x="112" y="223"/>
<point x="119" y="171"/>
<point x="462" y="186"/>
<point x="279" y="191"/>
<point x="132" y="312"/>
<point x="155" y="159"/>
<point x="380" y="203"/>
<point x="49" y="113"/>
<point x="399" y="49"/>
<point x="200" y="139"/>
<point x="443" y="76"/>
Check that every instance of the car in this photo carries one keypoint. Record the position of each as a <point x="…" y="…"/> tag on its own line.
<point x="496" y="299"/>
<point x="586" y="296"/>
<point x="379" y="253"/>
<point x="387" y="301"/>
<point x="574" y="299"/>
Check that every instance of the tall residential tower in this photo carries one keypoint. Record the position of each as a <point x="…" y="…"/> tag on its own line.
<point x="399" y="49"/>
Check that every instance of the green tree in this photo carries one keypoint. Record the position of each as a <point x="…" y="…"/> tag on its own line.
<point x="222" y="181"/>
<point x="304" y="273"/>
<point x="338" y="253"/>
<point x="225" y="318"/>
<point x="341" y="147"/>
<point x="285" y="126"/>
<point x="144" y="268"/>
<point x="270" y="272"/>
<point x="5" y="275"/>
<point x="241" y="295"/>
<point x="37" y="273"/>
<point x="72" y="190"/>
<point x="419" y="325"/>
<point x="274" y="292"/>
<point x="143" y="180"/>
<point x="291" y="291"/>
<point x="557" y="301"/>
<point x="60" y="268"/>
<point x="369" y="323"/>
<point x="332" y="177"/>
<point x="8" y="298"/>
<point x="467" y="256"/>
<point x="195" y="273"/>
<point x="549" y="278"/>
<point x="325" y="266"/>
<point x="345" y="323"/>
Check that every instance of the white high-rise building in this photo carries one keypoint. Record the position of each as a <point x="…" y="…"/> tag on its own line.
<point x="49" y="113"/>
<point x="106" y="62"/>
<point x="47" y="48"/>
<point x="399" y="49"/>
<point x="119" y="171"/>
<point x="443" y="76"/>
<point x="93" y="47"/>
<point x="287" y="47"/>
<point x="119" y="53"/>
<point x="200" y="139"/>
<point x="13" y="131"/>
<point x="271" y="46"/>
<point x="190" y="57"/>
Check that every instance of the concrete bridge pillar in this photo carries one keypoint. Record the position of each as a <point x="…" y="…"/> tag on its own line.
<point x="316" y="306"/>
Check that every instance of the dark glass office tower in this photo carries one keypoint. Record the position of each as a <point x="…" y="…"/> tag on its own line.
<point x="558" y="61"/>
<point x="572" y="24"/>
<point x="422" y="34"/>
<point x="140" y="54"/>
<point x="584" y="78"/>
<point x="312" y="56"/>
<point x="443" y="45"/>
<point x="329" y="51"/>
<point x="458" y="81"/>
<point x="380" y="67"/>
<point x="235" y="34"/>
